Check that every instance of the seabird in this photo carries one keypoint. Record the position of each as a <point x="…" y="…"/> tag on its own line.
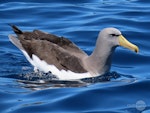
<point x="58" y="55"/>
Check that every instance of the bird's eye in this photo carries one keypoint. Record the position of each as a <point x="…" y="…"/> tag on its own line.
<point x="114" y="35"/>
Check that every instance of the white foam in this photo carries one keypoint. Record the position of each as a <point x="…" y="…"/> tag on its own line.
<point x="61" y="74"/>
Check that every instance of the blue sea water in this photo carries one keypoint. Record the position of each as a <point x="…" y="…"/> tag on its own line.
<point x="127" y="91"/>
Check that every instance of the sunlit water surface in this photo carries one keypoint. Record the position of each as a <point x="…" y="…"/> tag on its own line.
<point x="126" y="89"/>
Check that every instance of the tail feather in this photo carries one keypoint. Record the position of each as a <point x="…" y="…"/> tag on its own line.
<point x="16" y="30"/>
<point x="15" y="41"/>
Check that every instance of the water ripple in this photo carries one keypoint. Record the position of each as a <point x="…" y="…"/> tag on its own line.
<point x="80" y="21"/>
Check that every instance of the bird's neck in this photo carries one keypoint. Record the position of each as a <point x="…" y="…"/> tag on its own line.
<point x="100" y="60"/>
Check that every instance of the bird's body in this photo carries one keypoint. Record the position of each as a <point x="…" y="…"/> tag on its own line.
<point x="58" y="55"/>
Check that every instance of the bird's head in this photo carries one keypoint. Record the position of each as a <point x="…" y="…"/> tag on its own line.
<point x="113" y="37"/>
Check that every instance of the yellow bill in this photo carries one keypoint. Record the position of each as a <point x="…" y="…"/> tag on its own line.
<point x="125" y="43"/>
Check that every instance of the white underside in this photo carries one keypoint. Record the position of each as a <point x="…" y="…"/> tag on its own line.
<point x="61" y="74"/>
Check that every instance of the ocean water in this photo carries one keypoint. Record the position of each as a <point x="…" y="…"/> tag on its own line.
<point x="126" y="89"/>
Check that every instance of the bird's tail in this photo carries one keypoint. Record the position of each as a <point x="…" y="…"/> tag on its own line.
<point x="16" y="30"/>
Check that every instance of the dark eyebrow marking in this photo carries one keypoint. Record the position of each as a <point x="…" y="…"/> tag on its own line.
<point x="114" y="35"/>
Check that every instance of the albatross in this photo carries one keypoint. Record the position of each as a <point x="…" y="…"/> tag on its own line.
<point x="58" y="55"/>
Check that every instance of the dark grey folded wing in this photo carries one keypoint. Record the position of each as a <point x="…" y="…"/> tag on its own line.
<point x="55" y="50"/>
